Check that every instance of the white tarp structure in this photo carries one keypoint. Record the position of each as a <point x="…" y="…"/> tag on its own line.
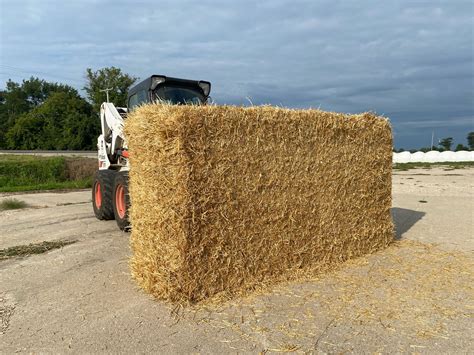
<point x="433" y="156"/>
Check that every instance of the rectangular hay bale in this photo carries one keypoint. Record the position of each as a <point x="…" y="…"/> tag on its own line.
<point x="227" y="199"/>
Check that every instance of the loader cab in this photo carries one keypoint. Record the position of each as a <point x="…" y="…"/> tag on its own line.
<point x="173" y="90"/>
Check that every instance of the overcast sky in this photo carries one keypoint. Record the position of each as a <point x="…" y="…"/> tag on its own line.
<point x="411" y="61"/>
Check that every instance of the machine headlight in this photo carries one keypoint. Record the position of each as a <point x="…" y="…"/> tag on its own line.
<point x="206" y="87"/>
<point x="157" y="80"/>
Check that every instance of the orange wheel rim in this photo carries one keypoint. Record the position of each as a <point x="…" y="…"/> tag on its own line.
<point x="120" y="201"/>
<point x="98" y="195"/>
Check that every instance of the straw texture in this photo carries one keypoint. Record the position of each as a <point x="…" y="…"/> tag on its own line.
<point x="230" y="199"/>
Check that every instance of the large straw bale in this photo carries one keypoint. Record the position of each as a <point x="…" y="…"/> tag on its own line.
<point x="227" y="199"/>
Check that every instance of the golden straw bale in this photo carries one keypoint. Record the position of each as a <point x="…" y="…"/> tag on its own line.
<point x="226" y="199"/>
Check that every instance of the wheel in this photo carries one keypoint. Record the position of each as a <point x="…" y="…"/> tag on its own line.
<point x="102" y="194"/>
<point x="121" y="200"/>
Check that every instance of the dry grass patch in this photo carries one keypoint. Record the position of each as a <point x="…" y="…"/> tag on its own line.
<point x="33" y="248"/>
<point x="79" y="168"/>
<point x="410" y="295"/>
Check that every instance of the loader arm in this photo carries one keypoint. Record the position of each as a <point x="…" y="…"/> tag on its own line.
<point x="111" y="142"/>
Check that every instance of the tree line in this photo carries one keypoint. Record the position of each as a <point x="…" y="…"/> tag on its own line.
<point x="37" y="114"/>
<point x="445" y="144"/>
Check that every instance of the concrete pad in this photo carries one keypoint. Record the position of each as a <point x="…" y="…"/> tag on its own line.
<point x="408" y="298"/>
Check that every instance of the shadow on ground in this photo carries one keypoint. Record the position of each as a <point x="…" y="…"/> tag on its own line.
<point x="404" y="219"/>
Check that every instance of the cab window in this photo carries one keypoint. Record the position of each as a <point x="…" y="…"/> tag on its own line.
<point x="141" y="97"/>
<point x="177" y="95"/>
<point x="132" y="101"/>
<point x="137" y="99"/>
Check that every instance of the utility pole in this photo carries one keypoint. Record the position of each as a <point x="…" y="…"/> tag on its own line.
<point x="432" y="139"/>
<point x="106" y="92"/>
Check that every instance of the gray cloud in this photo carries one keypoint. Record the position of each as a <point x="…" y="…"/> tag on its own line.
<point x="411" y="61"/>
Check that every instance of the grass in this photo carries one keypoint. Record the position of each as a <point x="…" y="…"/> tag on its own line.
<point x="32" y="173"/>
<point x="33" y="248"/>
<point x="12" y="204"/>
<point x="29" y="173"/>
<point x="450" y="165"/>
<point x="61" y="185"/>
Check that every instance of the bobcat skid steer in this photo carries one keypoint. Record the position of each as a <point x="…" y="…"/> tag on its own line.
<point x="110" y="198"/>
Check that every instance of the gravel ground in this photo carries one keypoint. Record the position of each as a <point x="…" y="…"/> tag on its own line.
<point x="413" y="297"/>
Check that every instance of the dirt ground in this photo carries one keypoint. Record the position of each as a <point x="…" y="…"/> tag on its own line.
<point x="412" y="297"/>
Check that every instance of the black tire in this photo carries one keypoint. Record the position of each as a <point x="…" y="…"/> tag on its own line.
<point x="121" y="201"/>
<point x="102" y="188"/>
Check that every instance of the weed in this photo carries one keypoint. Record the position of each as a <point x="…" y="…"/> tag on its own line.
<point x="12" y="204"/>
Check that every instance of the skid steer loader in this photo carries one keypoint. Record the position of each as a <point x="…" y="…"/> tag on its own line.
<point x="110" y="198"/>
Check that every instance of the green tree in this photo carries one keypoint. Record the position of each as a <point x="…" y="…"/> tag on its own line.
<point x="18" y="99"/>
<point x="64" y="121"/>
<point x="107" y="78"/>
<point x="460" y="147"/>
<point x="446" y="143"/>
<point x="470" y="140"/>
